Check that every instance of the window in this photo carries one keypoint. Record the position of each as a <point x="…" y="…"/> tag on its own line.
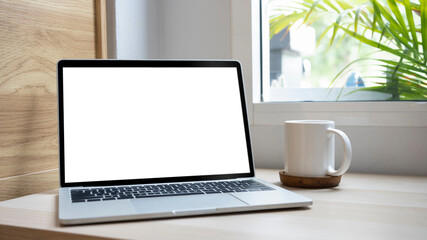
<point x="342" y="51"/>
<point x="350" y="113"/>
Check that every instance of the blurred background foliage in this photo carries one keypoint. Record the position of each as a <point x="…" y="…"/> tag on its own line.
<point x="385" y="40"/>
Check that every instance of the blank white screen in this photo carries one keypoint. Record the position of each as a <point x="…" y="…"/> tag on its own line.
<point x="132" y="123"/>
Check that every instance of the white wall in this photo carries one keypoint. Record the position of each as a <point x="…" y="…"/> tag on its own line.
<point x="222" y="29"/>
<point x="389" y="150"/>
<point x="186" y="29"/>
<point x="194" y="29"/>
<point x="136" y="29"/>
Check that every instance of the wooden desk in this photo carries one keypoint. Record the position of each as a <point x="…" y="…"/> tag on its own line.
<point x="363" y="206"/>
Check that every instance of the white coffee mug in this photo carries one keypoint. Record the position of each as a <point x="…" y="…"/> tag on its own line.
<point x="310" y="148"/>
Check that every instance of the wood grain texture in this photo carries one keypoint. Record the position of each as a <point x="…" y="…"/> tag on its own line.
<point x="363" y="206"/>
<point x="34" y="35"/>
<point x="101" y="29"/>
<point x="16" y="186"/>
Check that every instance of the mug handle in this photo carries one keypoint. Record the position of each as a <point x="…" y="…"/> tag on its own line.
<point x="347" y="153"/>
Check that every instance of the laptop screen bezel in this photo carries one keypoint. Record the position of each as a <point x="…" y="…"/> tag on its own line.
<point x="149" y="63"/>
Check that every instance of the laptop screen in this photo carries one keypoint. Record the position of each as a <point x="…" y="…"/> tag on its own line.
<point x="151" y="120"/>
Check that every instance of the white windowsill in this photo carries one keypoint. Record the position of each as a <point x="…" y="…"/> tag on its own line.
<point x="369" y="114"/>
<point x="281" y="94"/>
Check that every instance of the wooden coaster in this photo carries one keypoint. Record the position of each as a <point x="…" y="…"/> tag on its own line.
<point x="309" y="182"/>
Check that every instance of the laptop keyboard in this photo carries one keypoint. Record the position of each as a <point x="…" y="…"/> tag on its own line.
<point x="162" y="190"/>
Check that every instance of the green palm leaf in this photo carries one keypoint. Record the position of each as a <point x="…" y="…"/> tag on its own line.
<point x="423" y="9"/>
<point x="411" y="23"/>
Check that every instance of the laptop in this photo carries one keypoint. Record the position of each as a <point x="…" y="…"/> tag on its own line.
<point x="145" y="139"/>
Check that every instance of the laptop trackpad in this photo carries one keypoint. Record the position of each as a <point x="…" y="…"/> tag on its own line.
<point x="185" y="203"/>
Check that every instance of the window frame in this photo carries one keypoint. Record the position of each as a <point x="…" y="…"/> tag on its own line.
<point x="366" y="114"/>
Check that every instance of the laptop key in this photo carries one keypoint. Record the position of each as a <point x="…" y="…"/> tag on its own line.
<point x="140" y="195"/>
<point x="94" y="200"/>
<point x="226" y="191"/>
<point x="108" y="199"/>
<point x="85" y="197"/>
<point x="210" y="192"/>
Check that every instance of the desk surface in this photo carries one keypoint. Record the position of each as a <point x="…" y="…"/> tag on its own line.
<point x="363" y="206"/>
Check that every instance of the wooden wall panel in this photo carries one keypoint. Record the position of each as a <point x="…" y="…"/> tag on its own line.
<point x="101" y="29"/>
<point x="16" y="186"/>
<point x="34" y="35"/>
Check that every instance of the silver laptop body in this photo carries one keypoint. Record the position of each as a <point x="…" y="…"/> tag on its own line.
<point x="143" y="139"/>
